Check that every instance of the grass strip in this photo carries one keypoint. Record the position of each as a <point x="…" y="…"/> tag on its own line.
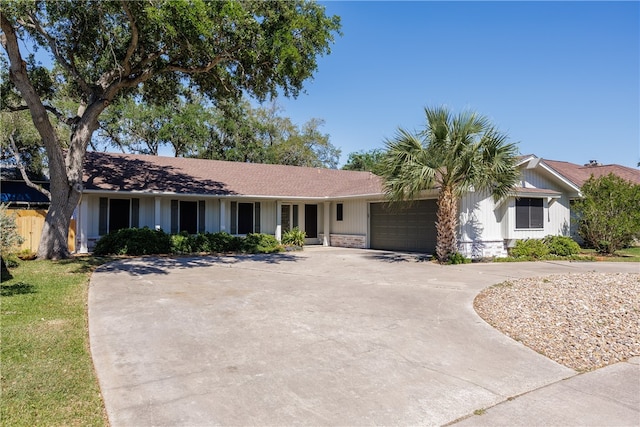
<point x="47" y="374"/>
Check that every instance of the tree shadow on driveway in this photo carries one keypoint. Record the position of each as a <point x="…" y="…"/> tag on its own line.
<point x="163" y="265"/>
<point x="396" y="257"/>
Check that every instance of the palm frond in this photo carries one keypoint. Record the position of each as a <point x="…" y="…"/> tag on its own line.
<point x="407" y="171"/>
<point x="458" y="152"/>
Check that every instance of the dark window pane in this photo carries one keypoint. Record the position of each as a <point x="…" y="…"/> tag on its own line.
<point x="102" y="216"/>
<point x="201" y="215"/>
<point x="118" y="214"/>
<point x="522" y="213"/>
<point x="285" y="219"/>
<point x="245" y="218"/>
<point x="536" y="214"/>
<point x="529" y="213"/>
<point x="189" y="217"/>
<point x="175" y="207"/>
<point x="311" y="220"/>
<point x="295" y="216"/>
<point x="135" y="213"/>
<point x="339" y="211"/>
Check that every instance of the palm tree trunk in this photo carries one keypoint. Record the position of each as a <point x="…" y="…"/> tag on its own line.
<point x="447" y="224"/>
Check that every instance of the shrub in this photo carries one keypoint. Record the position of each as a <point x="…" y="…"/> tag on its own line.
<point x="609" y="218"/>
<point x="530" y="248"/>
<point x="458" y="258"/>
<point x="133" y="241"/>
<point x="561" y="245"/>
<point x="223" y="242"/>
<point x="294" y="237"/>
<point x="201" y="243"/>
<point x="260" y="243"/>
<point x="9" y="237"/>
<point x="182" y="243"/>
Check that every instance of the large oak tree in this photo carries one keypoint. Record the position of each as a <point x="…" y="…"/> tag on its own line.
<point x="106" y="50"/>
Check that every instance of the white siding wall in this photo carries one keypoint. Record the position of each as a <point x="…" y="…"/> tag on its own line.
<point x="268" y="217"/>
<point x="479" y="217"/>
<point x="530" y="178"/>
<point x="212" y="215"/>
<point x="480" y="226"/>
<point x="354" y="217"/>
<point x="556" y="220"/>
<point x="556" y="210"/>
<point x="147" y="212"/>
<point x="93" y="210"/>
<point x="165" y="214"/>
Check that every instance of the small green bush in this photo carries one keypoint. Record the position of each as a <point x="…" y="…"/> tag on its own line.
<point x="182" y="243"/>
<point x="530" y="248"/>
<point x="294" y="237"/>
<point x="221" y="242"/>
<point x="11" y="260"/>
<point x="260" y="243"/>
<point x="561" y="245"/>
<point x="10" y="239"/>
<point x="201" y="243"/>
<point x="458" y="258"/>
<point x="133" y="241"/>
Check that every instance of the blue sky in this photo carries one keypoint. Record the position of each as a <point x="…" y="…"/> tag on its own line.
<point x="560" y="78"/>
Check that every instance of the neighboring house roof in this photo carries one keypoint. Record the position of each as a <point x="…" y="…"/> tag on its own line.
<point x="580" y="174"/>
<point x="158" y="174"/>
<point x="15" y="192"/>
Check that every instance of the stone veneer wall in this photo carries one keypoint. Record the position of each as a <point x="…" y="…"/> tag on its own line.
<point x="483" y="249"/>
<point x="349" y="240"/>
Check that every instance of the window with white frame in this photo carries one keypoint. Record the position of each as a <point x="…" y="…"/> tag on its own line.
<point x="116" y="214"/>
<point x="187" y="215"/>
<point x="245" y="217"/>
<point x="529" y="213"/>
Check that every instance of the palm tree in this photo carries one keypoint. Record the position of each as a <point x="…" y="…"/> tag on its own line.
<point x="453" y="154"/>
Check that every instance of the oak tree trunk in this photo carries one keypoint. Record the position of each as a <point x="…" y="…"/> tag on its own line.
<point x="66" y="187"/>
<point x="446" y="224"/>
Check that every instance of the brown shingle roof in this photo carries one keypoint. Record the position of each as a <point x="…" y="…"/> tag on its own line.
<point x="580" y="174"/>
<point x="156" y="174"/>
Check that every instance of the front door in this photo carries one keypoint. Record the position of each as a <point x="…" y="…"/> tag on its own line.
<point x="311" y="221"/>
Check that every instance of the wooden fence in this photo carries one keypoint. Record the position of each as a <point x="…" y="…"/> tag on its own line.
<point x="30" y="223"/>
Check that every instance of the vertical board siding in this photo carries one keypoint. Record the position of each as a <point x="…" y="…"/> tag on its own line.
<point x="354" y="216"/>
<point x="268" y="217"/>
<point x="147" y="212"/>
<point x="212" y="216"/>
<point x="557" y="213"/>
<point x="479" y="218"/>
<point x="530" y="178"/>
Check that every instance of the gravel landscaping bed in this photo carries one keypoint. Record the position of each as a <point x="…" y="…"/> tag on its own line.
<point x="583" y="321"/>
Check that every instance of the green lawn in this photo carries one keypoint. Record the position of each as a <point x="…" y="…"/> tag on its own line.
<point x="47" y="371"/>
<point x="622" y="255"/>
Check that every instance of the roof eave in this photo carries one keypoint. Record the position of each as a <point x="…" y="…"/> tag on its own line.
<point x="231" y="196"/>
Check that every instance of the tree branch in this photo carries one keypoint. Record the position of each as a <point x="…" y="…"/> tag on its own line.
<point x="18" y="75"/>
<point x="134" y="39"/>
<point x="23" y="172"/>
<point x="196" y="70"/>
<point x="56" y="52"/>
<point x="66" y="120"/>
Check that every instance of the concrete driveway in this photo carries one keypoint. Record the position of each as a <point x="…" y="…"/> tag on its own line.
<point x="326" y="336"/>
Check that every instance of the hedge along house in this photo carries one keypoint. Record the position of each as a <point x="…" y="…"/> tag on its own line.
<point x="333" y="207"/>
